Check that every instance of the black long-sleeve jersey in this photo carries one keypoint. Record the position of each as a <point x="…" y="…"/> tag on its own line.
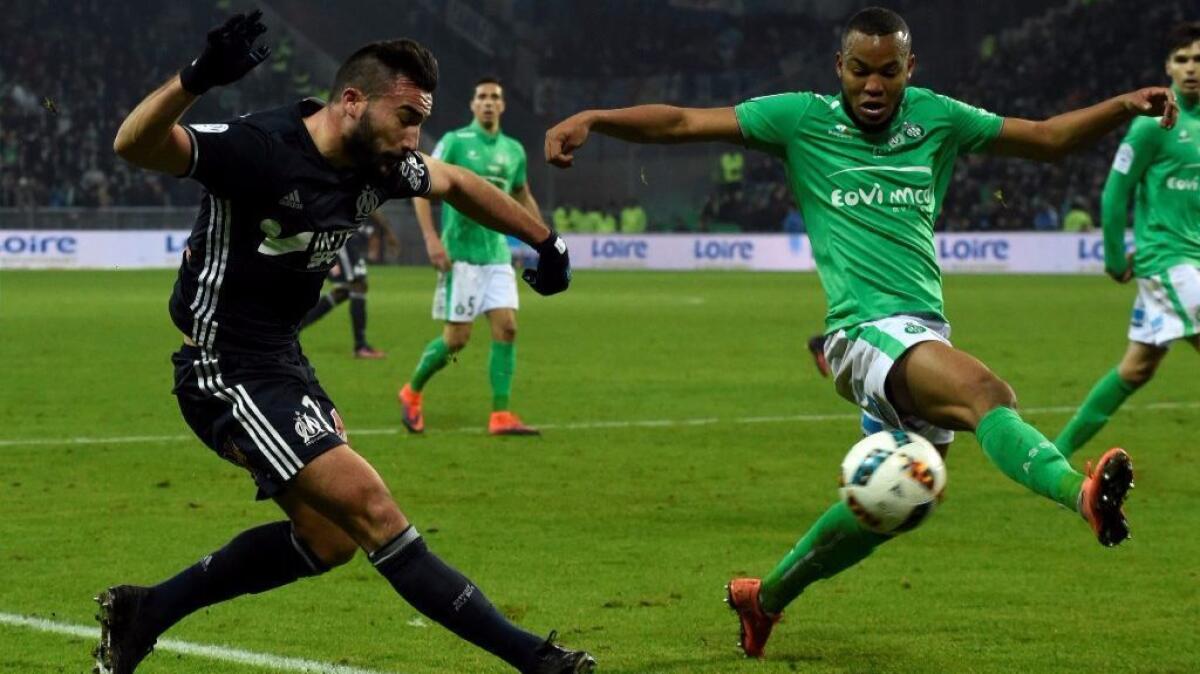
<point x="273" y="217"/>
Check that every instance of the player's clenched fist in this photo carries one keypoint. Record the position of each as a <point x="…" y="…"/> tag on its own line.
<point x="228" y="55"/>
<point x="564" y="138"/>
<point x="553" y="273"/>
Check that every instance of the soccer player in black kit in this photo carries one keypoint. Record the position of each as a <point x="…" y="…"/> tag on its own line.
<point x="252" y="268"/>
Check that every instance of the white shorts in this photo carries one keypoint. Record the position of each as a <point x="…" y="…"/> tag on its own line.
<point x="468" y="290"/>
<point x="860" y="358"/>
<point x="1167" y="307"/>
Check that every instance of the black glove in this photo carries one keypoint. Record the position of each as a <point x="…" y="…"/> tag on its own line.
<point x="553" y="273"/>
<point x="229" y="54"/>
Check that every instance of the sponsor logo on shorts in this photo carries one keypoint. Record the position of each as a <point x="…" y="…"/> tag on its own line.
<point x="913" y="328"/>
<point x="308" y="428"/>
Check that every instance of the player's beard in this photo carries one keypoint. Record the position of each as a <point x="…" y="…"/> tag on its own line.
<point x="360" y="148"/>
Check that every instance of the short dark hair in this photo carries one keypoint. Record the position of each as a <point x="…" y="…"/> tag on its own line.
<point x="1182" y="35"/>
<point x="489" y="79"/>
<point x="877" y="21"/>
<point x="374" y="66"/>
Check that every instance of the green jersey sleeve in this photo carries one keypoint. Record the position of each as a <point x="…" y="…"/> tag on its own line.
<point x="973" y="128"/>
<point x="444" y="150"/>
<point x="518" y="180"/>
<point x="768" y="122"/>
<point x="1134" y="155"/>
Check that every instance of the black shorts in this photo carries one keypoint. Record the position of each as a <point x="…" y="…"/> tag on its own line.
<point x="351" y="261"/>
<point x="265" y="413"/>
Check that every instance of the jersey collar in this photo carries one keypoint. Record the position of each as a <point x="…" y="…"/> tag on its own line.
<point x="486" y="135"/>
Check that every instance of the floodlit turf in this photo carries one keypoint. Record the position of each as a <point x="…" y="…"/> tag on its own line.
<point x="621" y="537"/>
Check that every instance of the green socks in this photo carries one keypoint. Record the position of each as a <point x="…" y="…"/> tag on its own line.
<point x="1021" y="452"/>
<point x="1104" y="399"/>
<point x="837" y="541"/>
<point x="434" y="358"/>
<point x="834" y="543"/>
<point x="501" y="364"/>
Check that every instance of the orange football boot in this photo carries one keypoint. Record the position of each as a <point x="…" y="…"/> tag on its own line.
<point x="410" y="407"/>
<point x="756" y="624"/>
<point x="507" y="423"/>
<point x="1104" y="493"/>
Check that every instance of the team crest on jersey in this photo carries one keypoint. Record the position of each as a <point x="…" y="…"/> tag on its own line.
<point x="368" y="200"/>
<point x="309" y="429"/>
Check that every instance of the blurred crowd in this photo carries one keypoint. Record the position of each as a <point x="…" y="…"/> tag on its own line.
<point x="70" y="70"/>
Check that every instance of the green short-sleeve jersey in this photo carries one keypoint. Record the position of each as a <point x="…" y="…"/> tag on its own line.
<point x="1161" y="167"/>
<point x="870" y="200"/>
<point x="498" y="159"/>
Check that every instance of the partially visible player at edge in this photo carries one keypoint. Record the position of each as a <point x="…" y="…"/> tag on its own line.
<point x="349" y="280"/>
<point x="869" y="167"/>
<point x="252" y="268"/>
<point x="475" y="272"/>
<point x="1159" y="169"/>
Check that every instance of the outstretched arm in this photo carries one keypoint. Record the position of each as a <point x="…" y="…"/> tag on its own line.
<point x="1055" y="138"/>
<point x="150" y="137"/>
<point x="482" y="202"/>
<point x="641" y="124"/>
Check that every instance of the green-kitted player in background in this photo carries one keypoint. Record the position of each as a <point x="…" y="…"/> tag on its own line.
<point x="869" y="167"/>
<point x="1160" y="169"/>
<point x="475" y="272"/>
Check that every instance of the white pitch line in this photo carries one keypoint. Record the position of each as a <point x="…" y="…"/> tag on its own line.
<point x="582" y="425"/>
<point x="275" y="663"/>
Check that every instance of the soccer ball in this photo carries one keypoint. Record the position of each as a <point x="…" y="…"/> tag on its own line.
<point x="892" y="481"/>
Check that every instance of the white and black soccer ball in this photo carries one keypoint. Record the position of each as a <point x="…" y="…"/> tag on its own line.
<point x="892" y="481"/>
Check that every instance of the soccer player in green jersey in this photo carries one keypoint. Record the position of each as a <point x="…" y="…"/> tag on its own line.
<point x="474" y="263"/>
<point x="1159" y="169"/>
<point x="869" y="167"/>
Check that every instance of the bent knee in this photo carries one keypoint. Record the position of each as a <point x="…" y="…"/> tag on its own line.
<point x="380" y="518"/>
<point x="505" y="333"/>
<point x="1137" y="374"/>
<point x="336" y="552"/>
<point x="332" y="547"/>
<point x="989" y="392"/>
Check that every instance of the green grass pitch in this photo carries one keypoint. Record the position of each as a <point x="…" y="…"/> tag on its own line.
<point x="620" y="536"/>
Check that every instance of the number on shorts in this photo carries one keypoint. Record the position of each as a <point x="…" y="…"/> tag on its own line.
<point x="312" y="405"/>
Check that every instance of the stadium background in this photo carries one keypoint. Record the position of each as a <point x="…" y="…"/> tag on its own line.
<point x="687" y="438"/>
